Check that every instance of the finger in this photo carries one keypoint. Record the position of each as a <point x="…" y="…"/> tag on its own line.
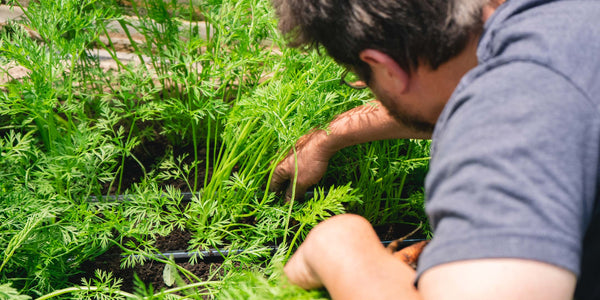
<point x="300" y="191"/>
<point x="299" y="273"/>
<point x="280" y="177"/>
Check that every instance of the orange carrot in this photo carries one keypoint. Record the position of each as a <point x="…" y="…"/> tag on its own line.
<point x="410" y="254"/>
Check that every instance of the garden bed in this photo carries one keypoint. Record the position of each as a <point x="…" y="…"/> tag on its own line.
<point x="174" y="246"/>
<point x="185" y="109"/>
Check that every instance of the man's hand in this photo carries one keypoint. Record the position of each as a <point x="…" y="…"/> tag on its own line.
<point x="345" y="255"/>
<point x="313" y="158"/>
<point x="366" y="123"/>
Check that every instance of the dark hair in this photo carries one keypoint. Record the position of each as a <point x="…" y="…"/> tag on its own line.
<point x="407" y="30"/>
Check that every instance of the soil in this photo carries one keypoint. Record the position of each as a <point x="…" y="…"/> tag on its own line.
<point x="151" y="273"/>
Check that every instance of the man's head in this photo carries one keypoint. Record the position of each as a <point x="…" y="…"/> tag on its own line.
<point x="411" y="32"/>
<point x="411" y="53"/>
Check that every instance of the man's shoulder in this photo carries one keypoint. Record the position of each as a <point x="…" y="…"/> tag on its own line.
<point x="563" y="35"/>
<point x="498" y="91"/>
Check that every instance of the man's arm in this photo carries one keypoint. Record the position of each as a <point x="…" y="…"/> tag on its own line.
<point x="344" y="255"/>
<point x="366" y="123"/>
<point x="497" y="278"/>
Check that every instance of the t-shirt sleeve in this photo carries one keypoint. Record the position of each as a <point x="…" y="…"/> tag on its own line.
<point x="514" y="170"/>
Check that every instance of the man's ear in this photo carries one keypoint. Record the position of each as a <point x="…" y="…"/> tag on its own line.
<point x="385" y="70"/>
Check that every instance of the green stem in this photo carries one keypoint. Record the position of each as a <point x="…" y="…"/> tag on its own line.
<point x="409" y="153"/>
<point x="125" y="294"/>
<point x="132" y="42"/>
<point x="191" y="19"/>
<point x="195" y="141"/>
<point x="417" y="159"/>
<point x="257" y="159"/>
<point x="266" y="194"/>
<point x="70" y="122"/>
<point x="207" y="159"/>
<point x="403" y="180"/>
<point x="111" y="47"/>
<point x="289" y="214"/>
<point x="186" y="287"/>
<point x="227" y="161"/>
<point x="84" y="288"/>
<point x="293" y="242"/>
<point x="123" y="155"/>
<point x="293" y="107"/>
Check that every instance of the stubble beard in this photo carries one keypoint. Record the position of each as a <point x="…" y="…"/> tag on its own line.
<point x="412" y="121"/>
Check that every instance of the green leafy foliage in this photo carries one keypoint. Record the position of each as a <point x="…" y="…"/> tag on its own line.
<point x="208" y="108"/>
<point x="252" y="285"/>
<point x="390" y="175"/>
<point x="9" y="293"/>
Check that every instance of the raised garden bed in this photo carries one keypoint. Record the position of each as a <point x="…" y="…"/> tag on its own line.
<point x="173" y="246"/>
<point x="180" y="109"/>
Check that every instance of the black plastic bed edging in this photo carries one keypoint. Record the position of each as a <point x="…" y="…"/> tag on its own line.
<point x="221" y="254"/>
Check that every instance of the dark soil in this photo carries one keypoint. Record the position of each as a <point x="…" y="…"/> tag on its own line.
<point x="149" y="153"/>
<point x="390" y="232"/>
<point x="151" y="273"/>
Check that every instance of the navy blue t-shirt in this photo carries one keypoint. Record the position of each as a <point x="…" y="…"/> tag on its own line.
<point x="516" y="150"/>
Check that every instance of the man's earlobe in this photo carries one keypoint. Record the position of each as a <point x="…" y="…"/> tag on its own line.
<point x="385" y="69"/>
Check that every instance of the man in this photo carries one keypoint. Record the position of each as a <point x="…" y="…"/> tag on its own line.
<point x="511" y="92"/>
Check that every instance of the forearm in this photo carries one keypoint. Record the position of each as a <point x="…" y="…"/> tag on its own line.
<point x="346" y="256"/>
<point x="366" y="123"/>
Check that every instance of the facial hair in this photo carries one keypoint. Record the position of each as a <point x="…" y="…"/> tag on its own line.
<point x="413" y="121"/>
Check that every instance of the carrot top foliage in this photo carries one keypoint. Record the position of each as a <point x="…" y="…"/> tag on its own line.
<point x="207" y="100"/>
